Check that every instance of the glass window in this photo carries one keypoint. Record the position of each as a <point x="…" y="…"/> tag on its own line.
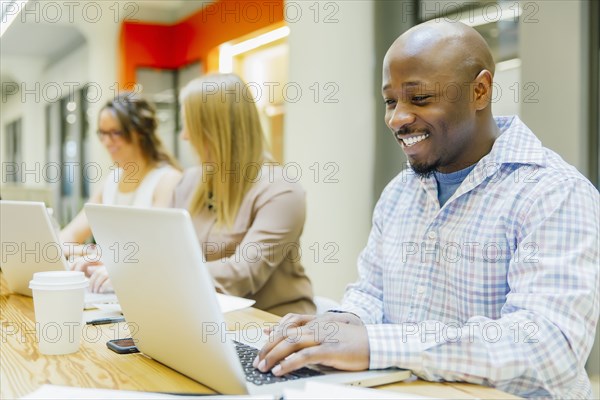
<point x="13" y="153"/>
<point x="498" y="23"/>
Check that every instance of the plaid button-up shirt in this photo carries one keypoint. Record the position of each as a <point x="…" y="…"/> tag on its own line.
<point x="499" y="286"/>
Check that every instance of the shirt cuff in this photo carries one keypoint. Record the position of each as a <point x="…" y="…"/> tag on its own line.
<point x="391" y="345"/>
<point x="361" y="313"/>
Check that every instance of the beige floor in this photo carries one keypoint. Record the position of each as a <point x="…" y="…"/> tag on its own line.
<point x="595" y="385"/>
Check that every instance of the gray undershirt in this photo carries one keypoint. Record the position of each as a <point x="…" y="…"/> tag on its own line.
<point x="448" y="183"/>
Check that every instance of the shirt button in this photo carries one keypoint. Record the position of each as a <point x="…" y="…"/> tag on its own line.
<point x="431" y="235"/>
<point x="421" y="289"/>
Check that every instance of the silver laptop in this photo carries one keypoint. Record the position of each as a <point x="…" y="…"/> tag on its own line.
<point x="157" y="270"/>
<point x="28" y="243"/>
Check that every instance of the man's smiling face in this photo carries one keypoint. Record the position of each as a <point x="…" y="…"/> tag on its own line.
<point x="429" y="88"/>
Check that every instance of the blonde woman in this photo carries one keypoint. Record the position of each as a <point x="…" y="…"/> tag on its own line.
<point x="247" y="216"/>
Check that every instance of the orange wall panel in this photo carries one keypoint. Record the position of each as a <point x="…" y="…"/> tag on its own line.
<point x="192" y="39"/>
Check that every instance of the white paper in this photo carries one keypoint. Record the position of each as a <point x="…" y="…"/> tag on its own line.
<point x="232" y="303"/>
<point x="226" y="303"/>
<point x="319" y="390"/>
<point x="92" y="299"/>
<point x="109" y="308"/>
<point x="65" y="392"/>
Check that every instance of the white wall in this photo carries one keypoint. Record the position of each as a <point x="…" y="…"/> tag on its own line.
<point x="553" y="54"/>
<point x="339" y="214"/>
<point x="102" y="39"/>
<point x="74" y="67"/>
<point x="552" y="47"/>
<point x="27" y="101"/>
<point x="506" y="84"/>
<point x="95" y="62"/>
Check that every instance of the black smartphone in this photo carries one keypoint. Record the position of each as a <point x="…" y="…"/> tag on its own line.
<point x="122" y="346"/>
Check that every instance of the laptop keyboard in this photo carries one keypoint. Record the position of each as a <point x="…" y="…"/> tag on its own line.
<point x="247" y="354"/>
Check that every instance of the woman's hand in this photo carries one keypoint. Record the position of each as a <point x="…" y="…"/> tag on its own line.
<point x="85" y="265"/>
<point x="99" y="282"/>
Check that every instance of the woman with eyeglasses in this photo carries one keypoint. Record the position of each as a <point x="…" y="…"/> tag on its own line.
<point x="247" y="215"/>
<point x="144" y="173"/>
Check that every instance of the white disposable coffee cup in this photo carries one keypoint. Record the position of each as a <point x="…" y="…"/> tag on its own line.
<point x="58" y="299"/>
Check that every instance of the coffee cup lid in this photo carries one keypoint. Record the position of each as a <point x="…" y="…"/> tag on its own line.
<point x="58" y="280"/>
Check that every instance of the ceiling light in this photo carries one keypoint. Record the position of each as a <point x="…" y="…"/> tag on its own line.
<point x="228" y="51"/>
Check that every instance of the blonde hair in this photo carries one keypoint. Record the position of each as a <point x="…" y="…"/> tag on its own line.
<point x="220" y="117"/>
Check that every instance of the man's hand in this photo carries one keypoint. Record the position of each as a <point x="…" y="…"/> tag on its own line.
<point x="336" y="340"/>
<point x="293" y="320"/>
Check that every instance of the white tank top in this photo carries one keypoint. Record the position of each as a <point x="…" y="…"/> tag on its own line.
<point x="141" y="197"/>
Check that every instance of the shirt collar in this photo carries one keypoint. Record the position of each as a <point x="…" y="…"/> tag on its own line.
<point x="516" y="145"/>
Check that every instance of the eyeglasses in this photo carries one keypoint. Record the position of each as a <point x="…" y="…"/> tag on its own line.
<point x="112" y="134"/>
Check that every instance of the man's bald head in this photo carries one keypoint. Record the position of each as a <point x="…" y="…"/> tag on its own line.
<point x="452" y="46"/>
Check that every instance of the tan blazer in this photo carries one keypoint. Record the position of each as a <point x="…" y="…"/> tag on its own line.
<point x="259" y="258"/>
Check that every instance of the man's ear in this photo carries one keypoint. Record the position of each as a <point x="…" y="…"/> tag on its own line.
<point x="482" y="89"/>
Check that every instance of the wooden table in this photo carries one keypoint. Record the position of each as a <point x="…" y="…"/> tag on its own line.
<point x="23" y="369"/>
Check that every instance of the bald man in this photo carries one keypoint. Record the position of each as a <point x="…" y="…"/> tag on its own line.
<point x="482" y="262"/>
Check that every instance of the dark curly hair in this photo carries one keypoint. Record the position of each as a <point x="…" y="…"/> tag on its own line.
<point x="137" y="114"/>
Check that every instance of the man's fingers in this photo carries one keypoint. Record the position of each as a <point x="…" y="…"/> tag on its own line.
<point x="288" y="319"/>
<point x="295" y="339"/>
<point x="294" y="320"/>
<point x="308" y="355"/>
<point x="275" y="337"/>
<point x="288" y="324"/>
<point x="339" y="345"/>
